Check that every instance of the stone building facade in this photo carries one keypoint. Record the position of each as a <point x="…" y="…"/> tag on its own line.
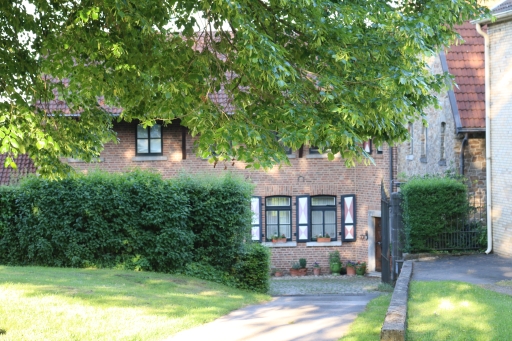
<point x="453" y="140"/>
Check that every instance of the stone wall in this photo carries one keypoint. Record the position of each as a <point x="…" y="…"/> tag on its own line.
<point x="430" y="151"/>
<point x="310" y="174"/>
<point x="501" y="128"/>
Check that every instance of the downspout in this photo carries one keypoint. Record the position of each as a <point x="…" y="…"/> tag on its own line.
<point x="461" y="165"/>
<point x="391" y="170"/>
<point x="487" y="137"/>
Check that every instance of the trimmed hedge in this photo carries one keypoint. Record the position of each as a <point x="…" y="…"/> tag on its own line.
<point x="134" y="220"/>
<point x="430" y="206"/>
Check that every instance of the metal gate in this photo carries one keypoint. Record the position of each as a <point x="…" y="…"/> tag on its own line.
<point x="384" y="211"/>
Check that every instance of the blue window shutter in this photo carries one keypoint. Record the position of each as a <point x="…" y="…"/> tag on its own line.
<point x="303" y="218"/>
<point x="348" y="218"/>
<point x="256" y="218"/>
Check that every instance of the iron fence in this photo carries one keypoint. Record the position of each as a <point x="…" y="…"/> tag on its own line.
<point x="467" y="232"/>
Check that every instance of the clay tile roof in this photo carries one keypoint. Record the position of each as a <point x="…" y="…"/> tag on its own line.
<point x="503" y="7"/>
<point x="56" y="105"/>
<point x="9" y="176"/>
<point x="466" y="63"/>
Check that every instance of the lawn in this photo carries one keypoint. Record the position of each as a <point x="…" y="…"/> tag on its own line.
<point x="104" y="304"/>
<point x="367" y="325"/>
<point x="455" y="311"/>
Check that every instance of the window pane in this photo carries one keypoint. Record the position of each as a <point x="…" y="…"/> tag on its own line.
<point x="330" y="217"/>
<point x="142" y="132"/>
<point x="316" y="230"/>
<point x="286" y="230"/>
<point x="323" y="201"/>
<point x="271" y="230"/>
<point x="284" y="217"/>
<point x="331" y="230"/>
<point x="317" y="217"/>
<point x="142" y="146"/>
<point x="278" y="201"/>
<point x="156" y="145"/>
<point x="271" y="217"/>
<point x="156" y="131"/>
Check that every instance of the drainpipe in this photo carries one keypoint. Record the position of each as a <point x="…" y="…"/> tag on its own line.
<point x="487" y="137"/>
<point x="390" y="170"/>
<point x="461" y="165"/>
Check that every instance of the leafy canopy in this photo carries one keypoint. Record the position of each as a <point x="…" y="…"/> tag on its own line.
<point x="332" y="73"/>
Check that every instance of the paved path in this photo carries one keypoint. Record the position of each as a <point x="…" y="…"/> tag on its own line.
<point x="305" y="318"/>
<point x="476" y="269"/>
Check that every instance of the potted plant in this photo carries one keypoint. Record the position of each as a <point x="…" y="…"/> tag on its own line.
<point x="361" y="268"/>
<point x="351" y="268"/>
<point x="316" y="269"/>
<point x="295" y="269"/>
<point x="335" y="262"/>
<point x="303" y="270"/>
<point x="278" y="238"/>
<point x="276" y="272"/>
<point x="323" y="239"/>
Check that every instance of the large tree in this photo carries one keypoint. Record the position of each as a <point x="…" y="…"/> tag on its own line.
<point x="331" y="73"/>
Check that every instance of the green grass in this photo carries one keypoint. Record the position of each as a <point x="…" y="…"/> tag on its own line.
<point x="367" y="325"/>
<point x="457" y="311"/>
<point x="103" y="304"/>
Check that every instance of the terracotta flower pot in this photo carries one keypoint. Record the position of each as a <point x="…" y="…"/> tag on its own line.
<point x="323" y="240"/>
<point x="294" y="272"/>
<point x="278" y="274"/>
<point x="316" y="271"/>
<point x="351" y="271"/>
<point x="303" y="272"/>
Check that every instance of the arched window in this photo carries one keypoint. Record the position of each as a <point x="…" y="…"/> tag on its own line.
<point x="442" y="159"/>
<point x="424" y="132"/>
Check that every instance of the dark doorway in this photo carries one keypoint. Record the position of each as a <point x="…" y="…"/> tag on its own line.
<point x="378" y="245"/>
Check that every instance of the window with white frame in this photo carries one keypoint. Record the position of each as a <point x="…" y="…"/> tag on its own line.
<point x="278" y="217"/>
<point x="323" y="216"/>
<point x="149" y="140"/>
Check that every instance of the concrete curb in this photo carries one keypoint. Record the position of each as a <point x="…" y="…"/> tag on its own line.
<point x="395" y="324"/>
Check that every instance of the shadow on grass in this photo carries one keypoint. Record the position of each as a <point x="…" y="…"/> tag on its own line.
<point x="163" y="294"/>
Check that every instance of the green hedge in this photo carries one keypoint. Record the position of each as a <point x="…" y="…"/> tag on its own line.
<point x="134" y="220"/>
<point x="430" y="206"/>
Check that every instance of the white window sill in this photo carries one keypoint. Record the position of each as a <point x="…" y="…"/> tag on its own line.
<point x="315" y="244"/>
<point x="321" y="156"/>
<point x="96" y="159"/>
<point x="149" y="158"/>
<point x="410" y="157"/>
<point x="287" y="244"/>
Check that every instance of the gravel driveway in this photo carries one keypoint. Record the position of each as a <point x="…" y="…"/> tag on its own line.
<point x="318" y="285"/>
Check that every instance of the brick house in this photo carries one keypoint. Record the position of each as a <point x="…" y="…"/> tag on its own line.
<point x="311" y="196"/>
<point x="454" y="139"/>
<point x="499" y="113"/>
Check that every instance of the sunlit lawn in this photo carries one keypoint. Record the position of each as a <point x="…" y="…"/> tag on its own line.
<point x="457" y="311"/>
<point x="90" y="304"/>
<point x="367" y="325"/>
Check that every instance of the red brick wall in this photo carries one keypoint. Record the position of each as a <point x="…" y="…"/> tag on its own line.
<point x="306" y="175"/>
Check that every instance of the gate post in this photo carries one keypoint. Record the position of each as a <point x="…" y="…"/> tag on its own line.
<point x="395" y="222"/>
<point x="384" y="211"/>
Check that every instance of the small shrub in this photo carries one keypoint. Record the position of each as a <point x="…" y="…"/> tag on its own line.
<point x="251" y="269"/>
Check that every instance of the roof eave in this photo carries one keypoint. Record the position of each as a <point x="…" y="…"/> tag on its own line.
<point x="470" y="130"/>
<point x="495" y="18"/>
